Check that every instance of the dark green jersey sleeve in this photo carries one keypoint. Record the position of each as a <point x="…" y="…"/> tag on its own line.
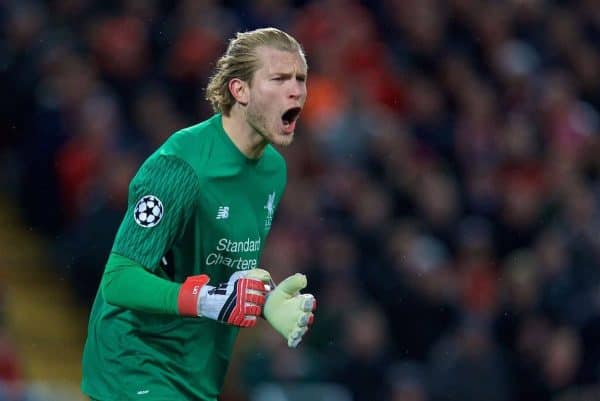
<point x="162" y="199"/>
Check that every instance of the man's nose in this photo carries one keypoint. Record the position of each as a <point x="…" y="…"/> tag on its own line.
<point x="296" y="90"/>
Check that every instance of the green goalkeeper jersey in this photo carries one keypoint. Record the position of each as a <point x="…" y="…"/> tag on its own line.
<point x="196" y="206"/>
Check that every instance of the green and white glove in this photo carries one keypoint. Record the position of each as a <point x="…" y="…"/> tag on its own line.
<point x="288" y="311"/>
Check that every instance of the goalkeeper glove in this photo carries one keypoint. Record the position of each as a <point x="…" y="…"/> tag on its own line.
<point x="237" y="302"/>
<point x="288" y="311"/>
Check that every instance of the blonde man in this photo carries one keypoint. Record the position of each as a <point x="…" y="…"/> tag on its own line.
<point x="183" y="276"/>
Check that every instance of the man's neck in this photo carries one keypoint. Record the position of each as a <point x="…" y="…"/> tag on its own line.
<point x="244" y="137"/>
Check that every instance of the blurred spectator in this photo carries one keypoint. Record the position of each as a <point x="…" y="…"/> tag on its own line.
<point x="417" y="288"/>
<point x="155" y="116"/>
<point x="365" y="353"/>
<point x="476" y="267"/>
<point x="12" y="385"/>
<point x="268" y="360"/>
<point x="82" y="249"/>
<point x="408" y="382"/>
<point x="590" y="360"/>
<point x="81" y="161"/>
<point x="519" y="296"/>
<point x="468" y="366"/>
<point x="557" y="273"/>
<point x="562" y="360"/>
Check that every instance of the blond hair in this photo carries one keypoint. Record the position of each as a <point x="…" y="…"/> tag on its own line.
<point x="241" y="61"/>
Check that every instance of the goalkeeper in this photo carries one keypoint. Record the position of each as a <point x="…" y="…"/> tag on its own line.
<point x="183" y="275"/>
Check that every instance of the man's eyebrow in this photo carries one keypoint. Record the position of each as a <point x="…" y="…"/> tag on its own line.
<point x="288" y="75"/>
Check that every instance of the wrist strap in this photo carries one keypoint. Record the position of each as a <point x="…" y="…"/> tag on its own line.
<point x="187" y="301"/>
<point x="270" y="287"/>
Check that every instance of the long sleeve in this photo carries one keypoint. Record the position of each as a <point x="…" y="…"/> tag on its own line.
<point x="128" y="284"/>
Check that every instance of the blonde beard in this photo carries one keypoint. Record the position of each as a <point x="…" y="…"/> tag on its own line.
<point x="259" y="125"/>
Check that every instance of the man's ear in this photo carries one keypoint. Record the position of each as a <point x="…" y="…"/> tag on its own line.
<point x="239" y="90"/>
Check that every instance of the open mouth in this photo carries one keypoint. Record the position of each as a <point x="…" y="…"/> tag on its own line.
<point x="291" y="115"/>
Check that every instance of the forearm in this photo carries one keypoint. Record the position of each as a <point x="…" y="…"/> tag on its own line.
<point x="127" y="284"/>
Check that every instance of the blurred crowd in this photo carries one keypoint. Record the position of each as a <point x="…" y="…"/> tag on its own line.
<point x="443" y="191"/>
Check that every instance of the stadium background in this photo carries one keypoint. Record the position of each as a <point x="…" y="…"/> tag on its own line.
<point x="443" y="192"/>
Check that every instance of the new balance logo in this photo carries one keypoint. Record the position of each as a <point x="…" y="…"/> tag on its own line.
<point x="223" y="212"/>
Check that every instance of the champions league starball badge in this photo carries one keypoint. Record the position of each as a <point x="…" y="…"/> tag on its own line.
<point x="148" y="211"/>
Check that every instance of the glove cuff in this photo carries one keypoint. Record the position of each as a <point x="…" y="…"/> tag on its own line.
<point x="187" y="300"/>
<point x="269" y="287"/>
